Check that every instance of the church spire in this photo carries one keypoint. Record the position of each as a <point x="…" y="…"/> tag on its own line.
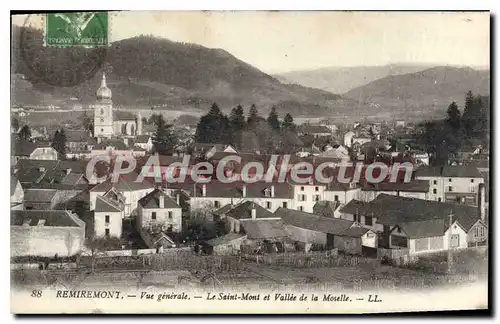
<point x="103" y="92"/>
<point x="103" y="81"/>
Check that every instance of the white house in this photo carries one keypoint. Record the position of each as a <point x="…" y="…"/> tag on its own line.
<point x="108" y="215"/>
<point x="157" y="209"/>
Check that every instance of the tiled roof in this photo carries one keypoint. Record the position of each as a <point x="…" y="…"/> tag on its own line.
<point x="72" y="178"/>
<point x="223" y="210"/>
<point x="244" y="211"/>
<point x="123" y="115"/>
<point x="450" y="171"/>
<point x="394" y="210"/>
<point x="314" y="129"/>
<point x="424" y="228"/>
<point x="228" y="238"/>
<point x="126" y="182"/>
<point x="103" y="204"/>
<point x="79" y="136"/>
<point x="354" y="206"/>
<point x="355" y="231"/>
<point x="264" y="229"/>
<point x="313" y="222"/>
<point x="51" y="217"/>
<point x="253" y="190"/>
<point x="13" y="184"/>
<point x="39" y="195"/>
<point x="23" y="148"/>
<point x="325" y="208"/>
<point x="412" y="186"/>
<point x="152" y="200"/>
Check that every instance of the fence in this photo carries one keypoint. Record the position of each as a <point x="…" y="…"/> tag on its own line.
<point x="318" y="259"/>
<point x="391" y="254"/>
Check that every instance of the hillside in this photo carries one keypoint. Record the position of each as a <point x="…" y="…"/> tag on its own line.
<point x="147" y="71"/>
<point x="343" y="79"/>
<point x="429" y="90"/>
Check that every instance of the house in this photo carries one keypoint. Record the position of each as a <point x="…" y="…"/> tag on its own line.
<point x="45" y="233"/>
<point x="145" y="142"/>
<point x="214" y="195"/>
<point x="247" y="210"/>
<point x="158" y="210"/>
<point x="314" y="131"/>
<point x="108" y="214"/>
<point x="40" y="199"/>
<point x="209" y="149"/>
<point x="16" y="192"/>
<point x="425" y="222"/>
<point x="265" y="235"/>
<point x="156" y="240"/>
<point x="358" y="211"/>
<point x="414" y="189"/>
<point x="36" y="151"/>
<point x="459" y="183"/>
<point x="342" y="192"/>
<point x="226" y="244"/>
<point x="79" y="140"/>
<point x="325" y="208"/>
<point x="307" y="195"/>
<point x="307" y="229"/>
<point x="127" y="186"/>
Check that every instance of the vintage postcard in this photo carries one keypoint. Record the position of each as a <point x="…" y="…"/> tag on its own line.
<point x="250" y="162"/>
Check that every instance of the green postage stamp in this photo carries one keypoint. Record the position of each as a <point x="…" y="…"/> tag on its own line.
<point x="76" y="29"/>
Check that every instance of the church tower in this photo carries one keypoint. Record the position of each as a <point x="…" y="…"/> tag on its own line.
<point x="103" y="114"/>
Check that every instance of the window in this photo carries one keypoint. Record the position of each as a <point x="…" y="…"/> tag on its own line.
<point x="336" y="198"/>
<point x="102" y="130"/>
<point x="106" y="232"/>
<point x="439" y="199"/>
<point x="285" y="204"/>
<point x="450" y="188"/>
<point x="106" y="219"/>
<point x="102" y="111"/>
<point x="302" y="197"/>
<point x="449" y="180"/>
<point x="471" y="180"/>
<point x="301" y="208"/>
<point x="301" y="188"/>
<point x="102" y="120"/>
<point x="268" y="205"/>
<point x="267" y="192"/>
<point x="153" y="215"/>
<point x="435" y="182"/>
<point x="316" y="197"/>
<point x="316" y="188"/>
<point x="368" y="220"/>
<point x="170" y="215"/>
<point x="216" y="204"/>
<point x="434" y="191"/>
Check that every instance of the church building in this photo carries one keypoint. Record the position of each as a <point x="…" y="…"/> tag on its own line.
<point x="109" y="123"/>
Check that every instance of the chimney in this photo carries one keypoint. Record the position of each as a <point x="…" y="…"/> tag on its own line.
<point x="244" y="191"/>
<point x="161" y="201"/>
<point x="178" y="199"/>
<point x="482" y="201"/>
<point x="204" y="190"/>
<point x="272" y="191"/>
<point x="41" y="169"/>
<point x="254" y="213"/>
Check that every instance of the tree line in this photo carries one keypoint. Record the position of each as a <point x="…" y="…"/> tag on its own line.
<point x="252" y="133"/>
<point x="459" y="130"/>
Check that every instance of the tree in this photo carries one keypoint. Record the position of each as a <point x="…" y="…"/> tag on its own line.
<point x="88" y="125"/>
<point x="96" y="246"/>
<point x="253" y="116"/>
<point x="25" y="133"/>
<point x="470" y="114"/>
<point x="59" y="142"/>
<point x="237" y="124"/>
<point x="288" y="124"/>
<point x="15" y="124"/>
<point x="213" y="127"/>
<point x="164" y="140"/>
<point x="272" y="119"/>
<point x="453" y="116"/>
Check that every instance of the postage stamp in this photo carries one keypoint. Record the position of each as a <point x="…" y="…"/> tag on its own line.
<point x="76" y="28"/>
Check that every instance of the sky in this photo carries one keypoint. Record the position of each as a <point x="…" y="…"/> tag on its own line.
<point x="285" y="41"/>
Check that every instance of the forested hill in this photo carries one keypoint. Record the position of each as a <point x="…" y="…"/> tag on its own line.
<point x="150" y="71"/>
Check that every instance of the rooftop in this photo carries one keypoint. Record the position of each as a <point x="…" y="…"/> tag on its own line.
<point x="152" y="200"/>
<point x="264" y="229"/>
<point x="51" y="217"/>
<point x="313" y="222"/>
